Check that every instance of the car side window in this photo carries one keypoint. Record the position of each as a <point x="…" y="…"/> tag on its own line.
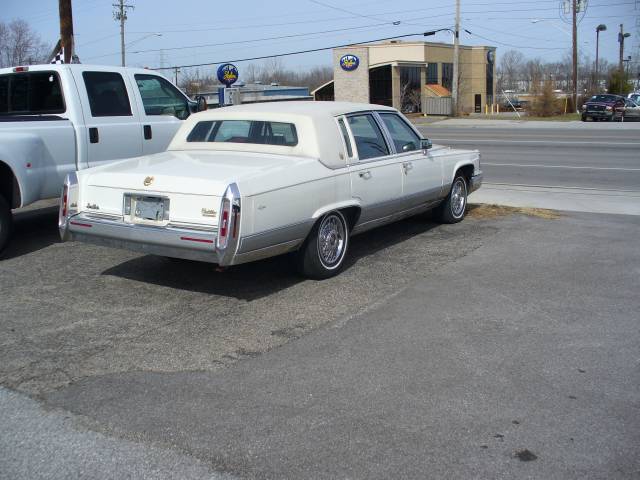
<point x="345" y="137"/>
<point x="370" y="142"/>
<point x="403" y="136"/>
<point x="160" y="97"/>
<point x="107" y="94"/>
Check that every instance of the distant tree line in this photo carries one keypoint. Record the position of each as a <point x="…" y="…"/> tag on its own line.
<point x="518" y="74"/>
<point x="20" y="45"/>
<point x="270" y="71"/>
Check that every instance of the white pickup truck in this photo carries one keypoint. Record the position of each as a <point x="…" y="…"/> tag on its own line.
<point x="57" y="119"/>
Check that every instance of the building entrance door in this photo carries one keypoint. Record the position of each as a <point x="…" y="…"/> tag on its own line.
<point x="478" y="103"/>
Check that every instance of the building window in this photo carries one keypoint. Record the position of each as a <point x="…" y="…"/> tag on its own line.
<point x="447" y="75"/>
<point x="410" y="89"/>
<point x="489" y="85"/>
<point x="380" y="85"/>
<point x="432" y="74"/>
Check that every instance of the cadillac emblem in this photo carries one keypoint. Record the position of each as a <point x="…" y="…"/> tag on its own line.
<point x="148" y="181"/>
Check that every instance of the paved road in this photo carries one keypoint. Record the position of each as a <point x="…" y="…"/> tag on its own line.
<point x="440" y="351"/>
<point x="592" y="168"/>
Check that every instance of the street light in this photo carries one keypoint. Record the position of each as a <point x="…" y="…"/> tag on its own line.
<point x="600" y="28"/>
<point x="143" y="38"/>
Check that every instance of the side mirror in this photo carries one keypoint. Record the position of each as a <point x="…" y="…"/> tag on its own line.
<point x="408" y="147"/>
<point x="202" y="103"/>
<point x="425" y="144"/>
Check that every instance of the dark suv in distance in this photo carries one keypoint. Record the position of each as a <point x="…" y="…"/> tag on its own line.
<point x="603" y="107"/>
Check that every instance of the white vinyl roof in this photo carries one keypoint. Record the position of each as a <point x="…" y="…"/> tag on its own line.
<point x="316" y="127"/>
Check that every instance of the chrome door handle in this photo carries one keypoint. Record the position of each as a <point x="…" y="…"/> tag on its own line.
<point x="407" y="166"/>
<point x="366" y="175"/>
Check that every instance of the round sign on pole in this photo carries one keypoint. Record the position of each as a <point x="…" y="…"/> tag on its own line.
<point x="349" y="62"/>
<point x="227" y="74"/>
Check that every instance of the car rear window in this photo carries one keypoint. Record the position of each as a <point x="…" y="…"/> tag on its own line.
<point x="245" y="131"/>
<point x="31" y="93"/>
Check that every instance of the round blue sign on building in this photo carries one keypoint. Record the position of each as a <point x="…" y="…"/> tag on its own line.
<point x="227" y="74"/>
<point x="349" y="62"/>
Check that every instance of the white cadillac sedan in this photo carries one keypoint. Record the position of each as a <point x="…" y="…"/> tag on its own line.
<point x="243" y="183"/>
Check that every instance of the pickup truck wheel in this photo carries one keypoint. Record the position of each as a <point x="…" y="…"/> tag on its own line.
<point x="322" y="254"/>
<point x="6" y="223"/>
<point x="453" y="208"/>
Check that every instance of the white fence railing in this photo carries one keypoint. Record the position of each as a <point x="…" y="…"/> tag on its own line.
<point x="436" y="105"/>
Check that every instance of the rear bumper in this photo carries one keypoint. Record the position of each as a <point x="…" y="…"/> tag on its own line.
<point x="170" y="241"/>
<point x="475" y="182"/>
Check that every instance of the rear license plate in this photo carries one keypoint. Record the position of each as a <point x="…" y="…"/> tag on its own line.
<point x="144" y="209"/>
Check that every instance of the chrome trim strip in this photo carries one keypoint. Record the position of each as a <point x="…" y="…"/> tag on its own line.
<point x="378" y="222"/>
<point x="147" y="248"/>
<point x="275" y="236"/>
<point x="193" y="226"/>
<point x="103" y="216"/>
<point x="267" y="252"/>
<point x="131" y="236"/>
<point x="226" y="253"/>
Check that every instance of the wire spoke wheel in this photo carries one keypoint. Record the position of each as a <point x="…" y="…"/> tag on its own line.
<point x="458" y="198"/>
<point x="331" y="241"/>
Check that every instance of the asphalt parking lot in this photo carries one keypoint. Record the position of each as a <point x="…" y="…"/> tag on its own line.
<point x="501" y="347"/>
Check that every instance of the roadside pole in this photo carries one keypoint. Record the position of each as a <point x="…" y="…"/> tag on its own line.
<point x="66" y="29"/>
<point x="456" y="54"/>
<point x="574" y="95"/>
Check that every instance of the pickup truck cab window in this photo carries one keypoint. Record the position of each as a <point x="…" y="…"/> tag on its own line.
<point x="245" y="131"/>
<point x="402" y="135"/>
<point x="160" y="97"/>
<point x="31" y="93"/>
<point x="369" y="139"/>
<point x="107" y="94"/>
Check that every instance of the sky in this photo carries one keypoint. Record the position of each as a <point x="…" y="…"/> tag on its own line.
<point x="170" y="32"/>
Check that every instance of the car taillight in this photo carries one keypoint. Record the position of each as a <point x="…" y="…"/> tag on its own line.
<point x="64" y="201"/>
<point x="229" y="223"/>
<point x="223" y="228"/>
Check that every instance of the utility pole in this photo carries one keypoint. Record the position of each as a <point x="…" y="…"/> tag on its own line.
<point x="120" y="15"/>
<point x="574" y="19"/>
<point x="176" y="70"/>
<point x="66" y="29"/>
<point x="456" y="56"/>
<point x="621" y="37"/>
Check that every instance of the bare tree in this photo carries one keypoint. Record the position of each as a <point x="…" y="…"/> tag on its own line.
<point x="20" y="45"/>
<point x="273" y="70"/>
<point x="510" y="69"/>
<point x="251" y="73"/>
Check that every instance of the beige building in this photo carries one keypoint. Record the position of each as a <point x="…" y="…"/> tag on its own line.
<point x="406" y="74"/>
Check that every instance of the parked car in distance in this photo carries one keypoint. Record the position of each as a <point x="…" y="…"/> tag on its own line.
<point x="603" y="107"/>
<point x="56" y="119"/>
<point x="631" y="110"/>
<point x="635" y="96"/>
<point x="242" y="183"/>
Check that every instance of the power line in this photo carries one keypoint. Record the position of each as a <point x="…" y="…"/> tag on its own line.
<point x="248" y="41"/>
<point x="286" y="54"/>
